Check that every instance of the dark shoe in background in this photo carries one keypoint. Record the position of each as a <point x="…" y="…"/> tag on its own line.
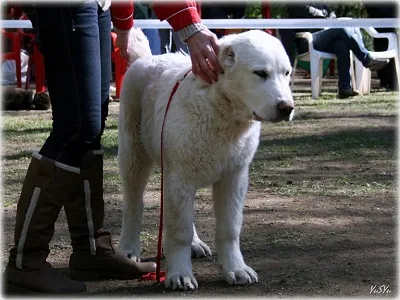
<point x="20" y="99"/>
<point x="347" y="93"/>
<point x="41" y="101"/>
<point x="377" y="63"/>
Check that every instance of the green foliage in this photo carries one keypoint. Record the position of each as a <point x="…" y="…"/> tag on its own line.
<point x="253" y="10"/>
<point x="353" y="9"/>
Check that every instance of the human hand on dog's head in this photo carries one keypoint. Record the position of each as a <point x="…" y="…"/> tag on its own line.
<point x="203" y="49"/>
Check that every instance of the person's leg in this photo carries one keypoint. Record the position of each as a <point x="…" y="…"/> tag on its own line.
<point x="48" y="182"/>
<point x="154" y="40"/>
<point x="179" y="45"/>
<point x="46" y="186"/>
<point x="93" y="254"/>
<point x="288" y="39"/>
<point x="165" y="40"/>
<point x="72" y="62"/>
<point x="343" y="64"/>
<point x="153" y="37"/>
<point x="104" y="24"/>
<point x="325" y="39"/>
<point x="328" y="41"/>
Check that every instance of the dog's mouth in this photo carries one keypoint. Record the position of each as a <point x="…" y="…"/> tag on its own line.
<point x="276" y="120"/>
<point x="256" y="117"/>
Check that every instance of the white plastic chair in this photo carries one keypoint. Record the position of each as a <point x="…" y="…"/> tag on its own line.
<point x="363" y="75"/>
<point x="316" y="58"/>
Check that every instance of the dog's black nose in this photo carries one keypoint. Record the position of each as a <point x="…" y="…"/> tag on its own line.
<point x="285" y="108"/>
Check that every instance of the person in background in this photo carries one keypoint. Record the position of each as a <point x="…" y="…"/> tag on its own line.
<point x="339" y="41"/>
<point x="67" y="172"/>
<point x="220" y="10"/>
<point x="144" y="11"/>
<point x="170" y="42"/>
<point x="387" y="75"/>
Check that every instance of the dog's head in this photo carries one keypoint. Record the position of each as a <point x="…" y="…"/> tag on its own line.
<point x="257" y="74"/>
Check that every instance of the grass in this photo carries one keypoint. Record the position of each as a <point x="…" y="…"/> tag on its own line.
<point x="332" y="148"/>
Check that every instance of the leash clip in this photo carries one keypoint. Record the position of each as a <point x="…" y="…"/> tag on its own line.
<point x="183" y="77"/>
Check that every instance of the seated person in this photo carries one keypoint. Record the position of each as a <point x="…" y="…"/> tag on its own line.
<point x="338" y="41"/>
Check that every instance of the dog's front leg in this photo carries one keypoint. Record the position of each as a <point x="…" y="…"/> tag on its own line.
<point x="179" y="198"/>
<point x="228" y="197"/>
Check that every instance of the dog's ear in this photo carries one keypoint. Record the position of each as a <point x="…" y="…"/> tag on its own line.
<point x="227" y="57"/>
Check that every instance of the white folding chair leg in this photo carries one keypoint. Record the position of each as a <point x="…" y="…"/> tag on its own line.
<point x="352" y="75"/>
<point x="397" y="66"/>
<point x="316" y="76"/>
<point x="293" y="73"/>
<point x="321" y="74"/>
<point x="363" y="78"/>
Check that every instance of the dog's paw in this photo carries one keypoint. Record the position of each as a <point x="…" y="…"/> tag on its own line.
<point x="240" y="276"/>
<point x="200" y="249"/>
<point x="181" y="282"/>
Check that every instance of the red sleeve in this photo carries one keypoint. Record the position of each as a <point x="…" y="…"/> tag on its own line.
<point x="122" y="14"/>
<point x="178" y="14"/>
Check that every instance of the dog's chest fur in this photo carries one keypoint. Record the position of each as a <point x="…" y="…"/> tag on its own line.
<point x="203" y="145"/>
<point x="203" y="139"/>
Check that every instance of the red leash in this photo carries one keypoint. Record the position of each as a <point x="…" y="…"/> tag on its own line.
<point x="160" y="275"/>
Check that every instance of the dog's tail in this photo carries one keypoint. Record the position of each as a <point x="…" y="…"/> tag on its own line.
<point x="138" y="45"/>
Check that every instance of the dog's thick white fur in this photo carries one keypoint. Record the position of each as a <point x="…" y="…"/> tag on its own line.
<point x="211" y="134"/>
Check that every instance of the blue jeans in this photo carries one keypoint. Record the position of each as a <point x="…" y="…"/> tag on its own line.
<point x="340" y="41"/>
<point x="168" y="38"/>
<point x="76" y="45"/>
<point x="154" y="40"/>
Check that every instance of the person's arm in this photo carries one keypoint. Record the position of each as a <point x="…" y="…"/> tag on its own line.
<point x="122" y="15"/>
<point x="320" y="10"/>
<point x="122" y="19"/>
<point x="202" y="43"/>
<point x="182" y="16"/>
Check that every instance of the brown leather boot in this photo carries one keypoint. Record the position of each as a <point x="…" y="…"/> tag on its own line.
<point x="94" y="256"/>
<point x="39" y="205"/>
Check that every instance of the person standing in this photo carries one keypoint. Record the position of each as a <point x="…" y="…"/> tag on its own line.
<point x="75" y="40"/>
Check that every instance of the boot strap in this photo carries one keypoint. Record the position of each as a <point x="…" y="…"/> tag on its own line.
<point x="89" y="217"/>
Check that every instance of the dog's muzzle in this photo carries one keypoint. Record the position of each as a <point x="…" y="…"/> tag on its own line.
<point x="285" y="110"/>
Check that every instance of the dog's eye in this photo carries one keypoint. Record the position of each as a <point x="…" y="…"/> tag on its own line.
<point x="261" y="73"/>
<point x="287" y="73"/>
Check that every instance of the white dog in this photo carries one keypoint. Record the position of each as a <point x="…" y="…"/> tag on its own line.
<point x="211" y="134"/>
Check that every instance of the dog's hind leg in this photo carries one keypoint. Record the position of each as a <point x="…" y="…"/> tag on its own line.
<point x="228" y="197"/>
<point x="134" y="165"/>
<point x="178" y="220"/>
<point x="199" y="248"/>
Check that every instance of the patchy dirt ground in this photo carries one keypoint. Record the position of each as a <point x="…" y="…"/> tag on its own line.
<point x="319" y="220"/>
